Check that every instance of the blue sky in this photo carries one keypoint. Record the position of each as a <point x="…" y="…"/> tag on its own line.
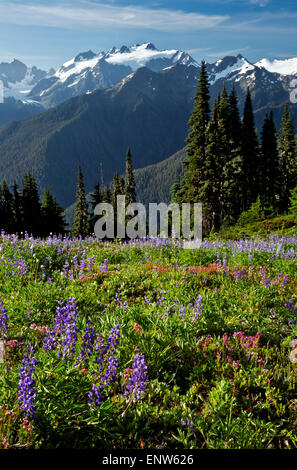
<point x="47" y="33"/>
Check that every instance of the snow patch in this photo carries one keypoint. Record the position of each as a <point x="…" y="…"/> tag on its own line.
<point x="283" y="67"/>
<point x="242" y="66"/>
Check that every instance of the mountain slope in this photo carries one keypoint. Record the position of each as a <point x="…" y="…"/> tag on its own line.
<point x="153" y="182"/>
<point x="18" y="79"/>
<point x="89" y="71"/>
<point x="15" y="110"/>
<point x="147" y="111"/>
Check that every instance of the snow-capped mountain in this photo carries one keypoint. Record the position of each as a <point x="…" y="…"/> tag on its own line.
<point x="283" y="67"/>
<point x="229" y="68"/>
<point x="89" y="71"/>
<point x="147" y="55"/>
<point x="146" y="110"/>
<point x="18" y="79"/>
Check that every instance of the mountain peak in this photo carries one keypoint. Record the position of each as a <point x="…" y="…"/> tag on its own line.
<point x="88" y="55"/>
<point x="124" y="49"/>
<point x="281" y="66"/>
<point x="150" y="46"/>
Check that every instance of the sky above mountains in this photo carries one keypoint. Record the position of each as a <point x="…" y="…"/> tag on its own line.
<point x="48" y="32"/>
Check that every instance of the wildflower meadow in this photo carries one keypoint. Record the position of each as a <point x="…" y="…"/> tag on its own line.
<point x="144" y="344"/>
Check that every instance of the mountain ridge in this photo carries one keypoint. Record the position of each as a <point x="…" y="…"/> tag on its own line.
<point x="146" y="110"/>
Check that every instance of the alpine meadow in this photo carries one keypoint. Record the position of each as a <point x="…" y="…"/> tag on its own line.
<point x="144" y="341"/>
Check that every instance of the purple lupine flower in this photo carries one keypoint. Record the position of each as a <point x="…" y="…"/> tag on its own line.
<point x="65" y="270"/>
<point x="146" y="300"/>
<point x="64" y="335"/>
<point x="188" y="422"/>
<point x="197" y="308"/>
<point x="95" y="395"/>
<point x="3" y="320"/>
<point x="110" y="346"/>
<point x="107" y="360"/>
<point x="111" y="371"/>
<point x="104" y="266"/>
<point x="118" y="300"/>
<point x="136" y="386"/>
<point x="113" y="339"/>
<point x="88" y="344"/>
<point x="182" y="312"/>
<point x="26" y="385"/>
<point x="290" y="305"/>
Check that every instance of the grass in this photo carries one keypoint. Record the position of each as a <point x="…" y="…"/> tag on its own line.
<point x="204" y="357"/>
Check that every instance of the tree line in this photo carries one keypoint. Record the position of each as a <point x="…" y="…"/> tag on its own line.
<point x="21" y="210"/>
<point x="227" y="168"/>
<point x="84" y="221"/>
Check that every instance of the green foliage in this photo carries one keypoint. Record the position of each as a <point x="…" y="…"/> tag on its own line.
<point x="293" y="204"/>
<point x="80" y="223"/>
<point x="213" y="381"/>
<point x="52" y="215"/>
<point x="130" y="191"/>
<point x="250" y="155"/>
<point x="30" y="206"/>
<point x="253" y="214"/>
<point x="288" y="158"/>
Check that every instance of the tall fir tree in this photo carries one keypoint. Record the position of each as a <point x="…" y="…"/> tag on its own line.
<point x="31" y="207"/>
<point x="175" y="190"/>
<point x="233" y="167"/>
<point x="107" y="195"/>
<point x="288" y="159"/>
<point x="116" y="190"/>
<point x="193" y="176"/>
<point x="269" y="170"/>
<point x="96" y="197"/>
<point x="6" y="208"/>
<point x="122" y="185"/>
<point x="250" y="155"/>
<point x="17" y="209"/>
<point x="210" y="191"/>
<point x="52" y="215"/>
<point x="130" y="191"/>
<point x="235" y="126"/>
<point x="80" y="224"/>
<point x="224" y="151"/>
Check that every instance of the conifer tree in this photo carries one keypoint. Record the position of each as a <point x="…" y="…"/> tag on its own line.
<point x="233" y="168"/>
<point x="288" y="159"/>
<point x="80" y="224"/>
<point x="116" y="190"/>
<point x="269" y="171"/>
<point x="293" y="204"/>
<point x="210" y="192"/>
<point x="175" y="190"/>
<point x="223" y="157"/>
<point x="6" y="208"/>
<point x="130" y="191"/>
<point x="235" y="126"/>
<point x="250" y="155"/>
<point x="193" y="176"/>
<point x="52" y="215"/>
<point x="96" y="197"/>
<point x="31" y="208"/>
<point x="107" y="195"/>
<point x="122" y="185"/>
<point x="17" y="209"/>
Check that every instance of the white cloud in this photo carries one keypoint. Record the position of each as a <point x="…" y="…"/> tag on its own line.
<point x="87" y="15"/>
